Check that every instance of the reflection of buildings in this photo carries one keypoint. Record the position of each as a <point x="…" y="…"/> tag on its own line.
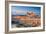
<point x="30" y="19"/>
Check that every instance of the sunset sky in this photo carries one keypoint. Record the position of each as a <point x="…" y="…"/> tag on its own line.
<point x="22" y="10"/>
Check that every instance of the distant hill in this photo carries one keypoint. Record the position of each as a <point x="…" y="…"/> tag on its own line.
<point x="18" y="15"/>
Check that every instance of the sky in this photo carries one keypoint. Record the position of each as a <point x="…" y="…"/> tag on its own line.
<point x="22" y="10"/>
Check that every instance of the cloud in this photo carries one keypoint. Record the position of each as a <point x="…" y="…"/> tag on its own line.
<point x="20" y="12"/>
